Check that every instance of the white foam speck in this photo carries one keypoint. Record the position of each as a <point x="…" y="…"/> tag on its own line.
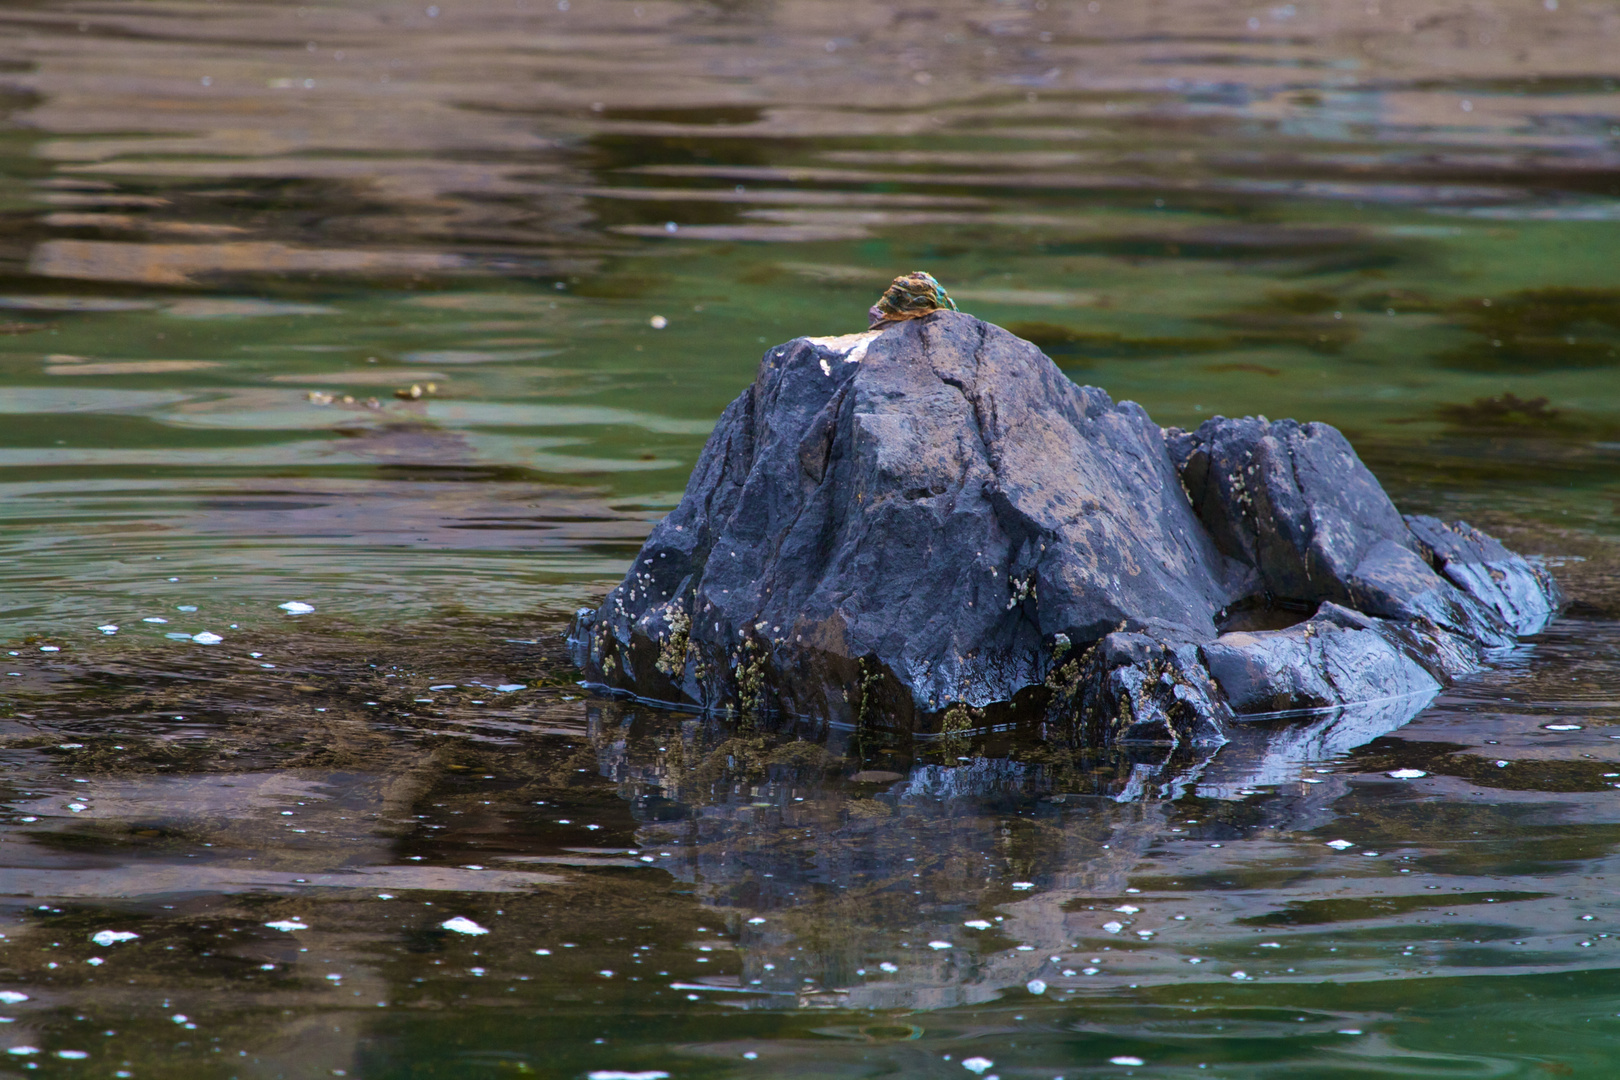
<point x="1021" y="886"/>
<point x="113" y="937"/>
<point x="463" y="925"/>
<point x="287" y="925"/>
<point x="1408" y="774"/>
<point x="890" y="968"/>
<point x="296" y="607"/>
<point x="1126" y="1059"/>
<point x="1129" y="909"/>
<point x="937" y="945"/>
<point x="977" y="1065"/>
<point x="615" y="1074"/>
<point x="12" y="997"/>
<point x="154" y="619"/>
<point x="108" y="628"/>
<point x="1036" y="986"/>
<point x="507" y="688"/>
<point x="976" y="924"/>
<point x="1340" y="845"/>
<point x="1113" y="927"/>
<point x="207" y="637"/>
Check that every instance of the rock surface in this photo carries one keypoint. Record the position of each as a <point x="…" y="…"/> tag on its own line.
<point x="929" y="527"/>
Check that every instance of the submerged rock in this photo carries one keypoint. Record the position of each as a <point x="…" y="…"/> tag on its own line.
<point x="929" y="527"/>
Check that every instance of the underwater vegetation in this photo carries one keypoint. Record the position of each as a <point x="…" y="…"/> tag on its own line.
<point x="1510" y="415"/>
<point x="1536" y="329"/>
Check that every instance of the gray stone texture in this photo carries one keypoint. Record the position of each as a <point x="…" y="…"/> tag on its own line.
<point x="929" y="526"/>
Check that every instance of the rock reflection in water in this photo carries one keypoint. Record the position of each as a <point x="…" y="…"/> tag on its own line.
<point x="847" y="882"/>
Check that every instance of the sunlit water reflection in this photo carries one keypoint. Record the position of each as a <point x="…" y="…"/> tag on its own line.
<point x="353" y="305"/>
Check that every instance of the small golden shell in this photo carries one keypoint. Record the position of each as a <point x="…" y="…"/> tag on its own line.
<point x="910" y="297"/>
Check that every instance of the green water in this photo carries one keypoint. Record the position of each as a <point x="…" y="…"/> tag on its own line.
<point x="237" y="235"/>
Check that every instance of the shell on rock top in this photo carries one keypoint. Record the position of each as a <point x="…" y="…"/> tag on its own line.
<point x="910" y="296"/>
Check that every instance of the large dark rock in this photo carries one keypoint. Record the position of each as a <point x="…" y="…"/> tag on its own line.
<point x="929" y="526"/>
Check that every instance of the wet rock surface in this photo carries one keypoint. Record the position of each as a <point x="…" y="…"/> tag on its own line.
<point x="928" y="527"/>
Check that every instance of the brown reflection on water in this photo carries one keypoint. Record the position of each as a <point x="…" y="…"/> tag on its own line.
<point x="497" y="134"/>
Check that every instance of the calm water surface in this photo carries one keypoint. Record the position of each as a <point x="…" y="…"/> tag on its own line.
<point x="417" y="316"/>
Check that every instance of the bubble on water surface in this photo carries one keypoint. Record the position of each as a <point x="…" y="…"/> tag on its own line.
<point x="977" y="1065"/>
<point x="296" y="607"/>
<point x="1563" y="727"/>
<point x="1340" y="845"/>
<point x="1036" y="986"/>
<point x="1126" y="1059"/>
<point x="1408" y="774"/>
<point x="113" y="937"/>
<point x="1023" y="885"/>
<point x="1113" y="927"/>
<point x="287" y="925"/>
<point x="977" y="924"/>
<point x="463" y="925"/>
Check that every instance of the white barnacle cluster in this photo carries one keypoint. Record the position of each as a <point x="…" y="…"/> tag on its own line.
<point x="1023" y="588"/>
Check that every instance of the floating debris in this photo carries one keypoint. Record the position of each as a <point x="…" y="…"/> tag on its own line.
<point x="287" y="926"/>
<point x="463" y="925"/>
<point x="296" y="607"/>
<point x="105" y="938"/>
